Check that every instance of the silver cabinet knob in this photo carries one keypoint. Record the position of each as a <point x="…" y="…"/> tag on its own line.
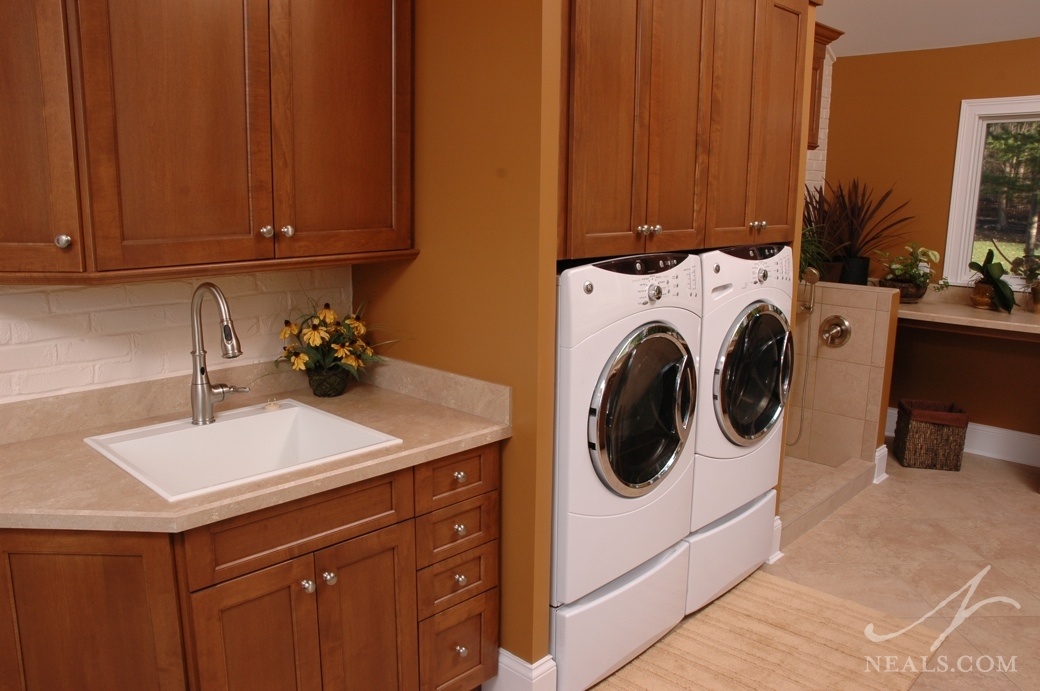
<point x="657" y="230"/>
<point x="762" y="225"/>
<point x="329" y="578"/>
<point x="462" y="650"/>
<point x="288" y="231"/>
<point x="460" y="476"/>
<point x="643" y="229"/>
<point x="267" y="231"/>
<point x="307" y="585"/>
<point x="63" y="241"/>
<point x="461" y="580"/>
<point x="460" y="529"/>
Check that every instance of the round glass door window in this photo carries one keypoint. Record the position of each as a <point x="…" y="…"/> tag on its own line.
<point x="753" y="375"/>
<point x="642" y="410"/>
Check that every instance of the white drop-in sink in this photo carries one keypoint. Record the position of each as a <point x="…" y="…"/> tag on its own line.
<point x="180" y="460"/>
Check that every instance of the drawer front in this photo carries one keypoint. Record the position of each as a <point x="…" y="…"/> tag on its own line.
<point x="458" y="648"/>
<point x="449" y="582"/>
<point x="443" y="482"/>
<point x="451" y="531"/>
<point x="236" y="546"/>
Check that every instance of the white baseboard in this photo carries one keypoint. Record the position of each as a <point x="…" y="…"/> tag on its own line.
<point x="777" y="554"/>
<point x="993" y="442"/>
<point x="880" y="464"/>
<point x="515" y="674"/>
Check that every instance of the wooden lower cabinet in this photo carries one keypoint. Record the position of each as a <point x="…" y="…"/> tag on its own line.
<point x="342" y="618"/>
<point x="324" y="592"/>
<point x="88" y="610"/>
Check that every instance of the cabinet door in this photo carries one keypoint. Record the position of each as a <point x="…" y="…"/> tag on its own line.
<point x="342" y="125"/>
<point x="674" y="177"/>
<point x="367" y="616"/>
<point x="87" y="610"/>
<point x="259" y="631"/>
<point x="38" y="198"/>
<point x="606" y="199"/>
<point x="177" y="122"/>
<point x="756" y="110"/>
<point x="779" y="86"/>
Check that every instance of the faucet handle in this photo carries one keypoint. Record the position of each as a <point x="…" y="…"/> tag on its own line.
<point x="238" y="389"/>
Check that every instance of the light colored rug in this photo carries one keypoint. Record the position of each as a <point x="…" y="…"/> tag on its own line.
<point x="770" y="633"/>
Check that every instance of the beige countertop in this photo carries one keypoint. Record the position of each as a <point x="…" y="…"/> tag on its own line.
<point x="50" y="478"/>
<point x="950" y="308"/>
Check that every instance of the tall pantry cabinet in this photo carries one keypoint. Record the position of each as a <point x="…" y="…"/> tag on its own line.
<point x="683" y="124"/>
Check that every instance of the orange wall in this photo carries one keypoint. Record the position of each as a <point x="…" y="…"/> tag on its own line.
<point x="480" y="299"/>
<point x="894" y="119"/>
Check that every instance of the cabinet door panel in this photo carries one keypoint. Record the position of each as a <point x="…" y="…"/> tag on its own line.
<point x="675" y="125"/>
<point x="38" y="199"/>
<point x="342" y="119"/>
<point x="85" y="610"/>
<point x="610" y="40"/>
<point x="178" y="147"/>
<point x="730" y="143"/>
<point x="780" y="79"/>
<point x="367" y="616"/>
<point x="259" y="631"/>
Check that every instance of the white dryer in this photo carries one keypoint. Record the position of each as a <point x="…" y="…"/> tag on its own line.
<point x="748" y="354"/>
<point x="628" y="338"/>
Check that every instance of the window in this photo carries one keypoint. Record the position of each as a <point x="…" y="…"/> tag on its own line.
<point x="996" y="185"/>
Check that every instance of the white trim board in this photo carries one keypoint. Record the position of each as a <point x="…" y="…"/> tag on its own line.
<point x="515" y="674"/>
<point x="992" y="442"/>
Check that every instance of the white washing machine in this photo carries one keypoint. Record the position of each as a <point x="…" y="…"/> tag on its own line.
<point x="748" y="356"/>
<point x="628" y="336"/>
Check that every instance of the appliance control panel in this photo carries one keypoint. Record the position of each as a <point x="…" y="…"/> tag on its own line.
<point x="775" y="269"/>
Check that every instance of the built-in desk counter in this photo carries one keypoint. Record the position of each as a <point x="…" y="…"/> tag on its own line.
<point x="951" y="311"/>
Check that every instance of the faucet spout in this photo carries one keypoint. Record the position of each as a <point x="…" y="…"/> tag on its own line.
<point x="203" y="393"/>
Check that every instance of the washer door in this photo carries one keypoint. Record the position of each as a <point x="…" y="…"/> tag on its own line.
<point x="753" y="374"/>
<point x="642" y="410"/>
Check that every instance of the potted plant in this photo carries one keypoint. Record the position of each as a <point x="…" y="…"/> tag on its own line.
<point x="911" y="273"/>
<point x="820" y="245"/>
<point x="330" y="351"/>
<point x="990" y="289"/>
<point x="862" y="226"/>
<point x="1028" y="267"/>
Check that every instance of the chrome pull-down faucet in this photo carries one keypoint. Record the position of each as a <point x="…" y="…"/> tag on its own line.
<point x="204" y="394"/>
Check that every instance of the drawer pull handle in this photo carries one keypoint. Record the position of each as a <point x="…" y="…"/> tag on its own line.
<point x="462" y="650"/>
<point x="460" y="476"/>
<point x="330" y="578"/>
<point x="461" y="579"/>
<point x="460" y="529"/>
<point x="307" y="585"/>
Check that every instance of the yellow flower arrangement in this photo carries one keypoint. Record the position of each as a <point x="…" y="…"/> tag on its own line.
<point x="321" y="341"/>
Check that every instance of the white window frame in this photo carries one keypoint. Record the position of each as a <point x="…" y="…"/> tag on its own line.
<point x="976" y="114"/>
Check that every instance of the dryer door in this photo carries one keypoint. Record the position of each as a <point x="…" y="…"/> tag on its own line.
<point x="753" y="374"/>
<point x="641" y="413"/>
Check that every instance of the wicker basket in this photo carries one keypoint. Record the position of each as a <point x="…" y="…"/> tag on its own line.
<point x="930" y="434"/>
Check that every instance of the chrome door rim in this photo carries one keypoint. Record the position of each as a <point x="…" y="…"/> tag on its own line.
<point x="684" y="418"/>
<point x="748" y="315"/>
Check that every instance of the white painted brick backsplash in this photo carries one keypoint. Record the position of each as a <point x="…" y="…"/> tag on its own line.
<point x="59" y="339"/>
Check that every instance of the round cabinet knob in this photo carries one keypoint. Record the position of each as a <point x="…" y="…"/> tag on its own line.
<point x="63" y="241"/>
<point x="329" y="578"/>
<point x="654" y="292"/>
<point x="462" y="650"/>
<point x="267" y="231"/>
<point x="657" y="230"/>
<point x="307" y="585"/>
<point x="460" y="476"/>
<point x="288" y="231"/>
<point x="763" y="275"/>
<point x="460" y="529"/>
<point x="643" y="229"/>
<point x="461" y="580"/>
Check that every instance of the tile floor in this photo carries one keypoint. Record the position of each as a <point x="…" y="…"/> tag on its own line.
<point x="907" y="544"/>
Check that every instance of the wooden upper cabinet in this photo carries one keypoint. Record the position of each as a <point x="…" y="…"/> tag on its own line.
<point x="212" y="132"/>
<point x="754" y="151"/>
<point x="634" y="122"/>
<point x="341" y="76"/>
<point x="38" y="197"/>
